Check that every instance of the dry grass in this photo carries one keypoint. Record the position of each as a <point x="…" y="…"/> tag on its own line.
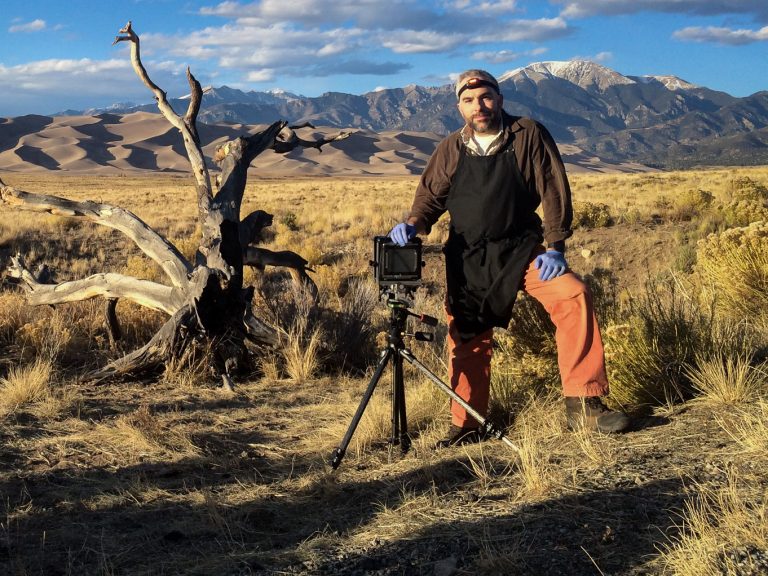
<point x="535" y="435"/>
<point x="638" y="197"/>
<point x="302" y="353"/>
<point x="734" y="270"/>
<point x="131" y="438"/>
<point x="726" y="380"/>
<point x="748" y="427"/>
<point x="25" y="385"/>
<point x="190" y="480"/>
<point x="724" y="530"/>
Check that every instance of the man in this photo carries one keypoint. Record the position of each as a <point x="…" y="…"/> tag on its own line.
<point x="491" y="176"/>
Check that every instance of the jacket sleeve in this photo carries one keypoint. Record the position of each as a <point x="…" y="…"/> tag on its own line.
<point x="552" y="186"/>
<point x="432" y="192"/>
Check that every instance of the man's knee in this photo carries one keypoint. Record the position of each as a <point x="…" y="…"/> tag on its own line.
<point x="569" y="286"/>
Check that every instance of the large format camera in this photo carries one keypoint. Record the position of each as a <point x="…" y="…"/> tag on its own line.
<point x="395" y="265"/>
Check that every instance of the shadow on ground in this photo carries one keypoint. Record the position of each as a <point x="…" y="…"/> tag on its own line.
<point x="172" y="518"/>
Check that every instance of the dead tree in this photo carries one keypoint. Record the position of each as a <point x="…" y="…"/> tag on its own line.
<point x="206" y="301"/>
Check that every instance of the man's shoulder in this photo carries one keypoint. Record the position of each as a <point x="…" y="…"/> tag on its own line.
<point x="453" y="137"/>
<point x="517" y="123"/>
<point x="453" y="140"/>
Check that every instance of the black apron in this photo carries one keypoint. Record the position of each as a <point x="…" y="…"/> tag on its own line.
<point x="494" y="228"/>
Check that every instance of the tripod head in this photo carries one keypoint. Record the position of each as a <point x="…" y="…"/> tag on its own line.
<point x="399" y="300"/>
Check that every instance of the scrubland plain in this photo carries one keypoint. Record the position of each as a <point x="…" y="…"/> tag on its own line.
<point x="172" y="474"/>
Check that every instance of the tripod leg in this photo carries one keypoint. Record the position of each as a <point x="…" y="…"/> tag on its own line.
<point x="399" y="421"/>
<point x="489" y="428"/>
<point x="339" y="452"/>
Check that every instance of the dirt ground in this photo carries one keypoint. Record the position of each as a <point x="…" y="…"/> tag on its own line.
<point x="259" y="498"/>
<point x="239" y="483"/>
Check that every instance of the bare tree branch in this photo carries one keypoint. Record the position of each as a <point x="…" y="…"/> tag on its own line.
<point x="259" y="331"/>
<point x="260" y="258"/>
<point x="288" y="140"/>
<point x="113" y="325"/>
<point x="150" y="242"/>
<point x="189" y="134"/>
<point x="108" y="285"/>
<point x="195" y="100"/>
<point x="207" y="303"/>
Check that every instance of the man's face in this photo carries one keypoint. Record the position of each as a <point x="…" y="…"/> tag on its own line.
<point x="481" y="109"/>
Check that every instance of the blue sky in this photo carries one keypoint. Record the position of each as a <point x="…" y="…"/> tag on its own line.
<point x="57" y="55"/>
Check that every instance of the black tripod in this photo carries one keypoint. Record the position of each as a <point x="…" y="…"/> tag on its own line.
<point x="397" y="351"/>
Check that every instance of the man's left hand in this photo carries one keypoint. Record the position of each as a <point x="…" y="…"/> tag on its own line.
<point x="551" y="264"/>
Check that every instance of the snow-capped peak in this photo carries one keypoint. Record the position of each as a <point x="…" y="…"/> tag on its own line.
<point x="671" y="82"/>
<point x="584" y="73"/>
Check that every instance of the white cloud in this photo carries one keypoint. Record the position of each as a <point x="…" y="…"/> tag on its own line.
<point x="413" y="41"/>
<point x="503" y="56"/>
<point x="334" y="48"/>
<point x="264" y="75"/>
<point x="600" y="57"/>
<point x="722" y="35"/>
<point x="82" y="67"/>
<point x="316" y="35"/>
<point x="525" y="30"/>
<point x="494" y="7"/>
<point x="584" y="8"/>
<point x="319" y="13"/>
<point x="59" y="84"/>
<point x="33" y="26"/>
<point x="497" y="57"/>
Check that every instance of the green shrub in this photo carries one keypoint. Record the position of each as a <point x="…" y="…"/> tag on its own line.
<point x="524" y="360"/>
<point x="518" y="375"/>
<point x="742" y="213"/>
<point x="747" y="202"/>
<point x="647" y="353"/>
<point x="604" y="288"/>
<point x="591" y="215"/>
<point x="689" y="205"/>
<point x="744" y="188"/>
<point x="733" y="267"/>
<point x="530" y="329"/>
<point x="685" y="259"/>
<point x="631" y="216"/>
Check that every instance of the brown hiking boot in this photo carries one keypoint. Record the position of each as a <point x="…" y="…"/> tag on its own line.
<point x="458" y="436"/>
<point x="589" y="412"/>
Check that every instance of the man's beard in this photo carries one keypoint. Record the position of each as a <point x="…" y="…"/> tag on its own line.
<point x="488" y="125"/>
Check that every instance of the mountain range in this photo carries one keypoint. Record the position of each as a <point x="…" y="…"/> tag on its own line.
<point x="591" y="110"/>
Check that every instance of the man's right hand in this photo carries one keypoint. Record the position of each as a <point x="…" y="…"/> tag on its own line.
<point x="402" y="233"/>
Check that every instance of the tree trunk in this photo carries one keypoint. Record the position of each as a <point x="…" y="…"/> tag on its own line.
<point x="206" y="301"/>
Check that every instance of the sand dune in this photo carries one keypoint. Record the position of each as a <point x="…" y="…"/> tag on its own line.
<point x="141" y="141"/>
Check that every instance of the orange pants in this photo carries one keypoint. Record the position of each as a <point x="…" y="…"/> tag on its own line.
<point x="579" y="346"/>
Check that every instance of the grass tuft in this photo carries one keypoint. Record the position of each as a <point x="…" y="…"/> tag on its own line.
<point x="726" y="380"/>
<point x="25" y="385"/>
<point x="723" y="531"/>
<point x="748" y="427"/>
<point x="533" y="433"/>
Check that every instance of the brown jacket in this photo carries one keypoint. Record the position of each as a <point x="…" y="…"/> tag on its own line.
<point x="539" y="162"/>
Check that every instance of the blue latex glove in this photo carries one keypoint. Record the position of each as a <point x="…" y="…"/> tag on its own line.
<point x="551" y="264"/>
<point x="402" y="233"/>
